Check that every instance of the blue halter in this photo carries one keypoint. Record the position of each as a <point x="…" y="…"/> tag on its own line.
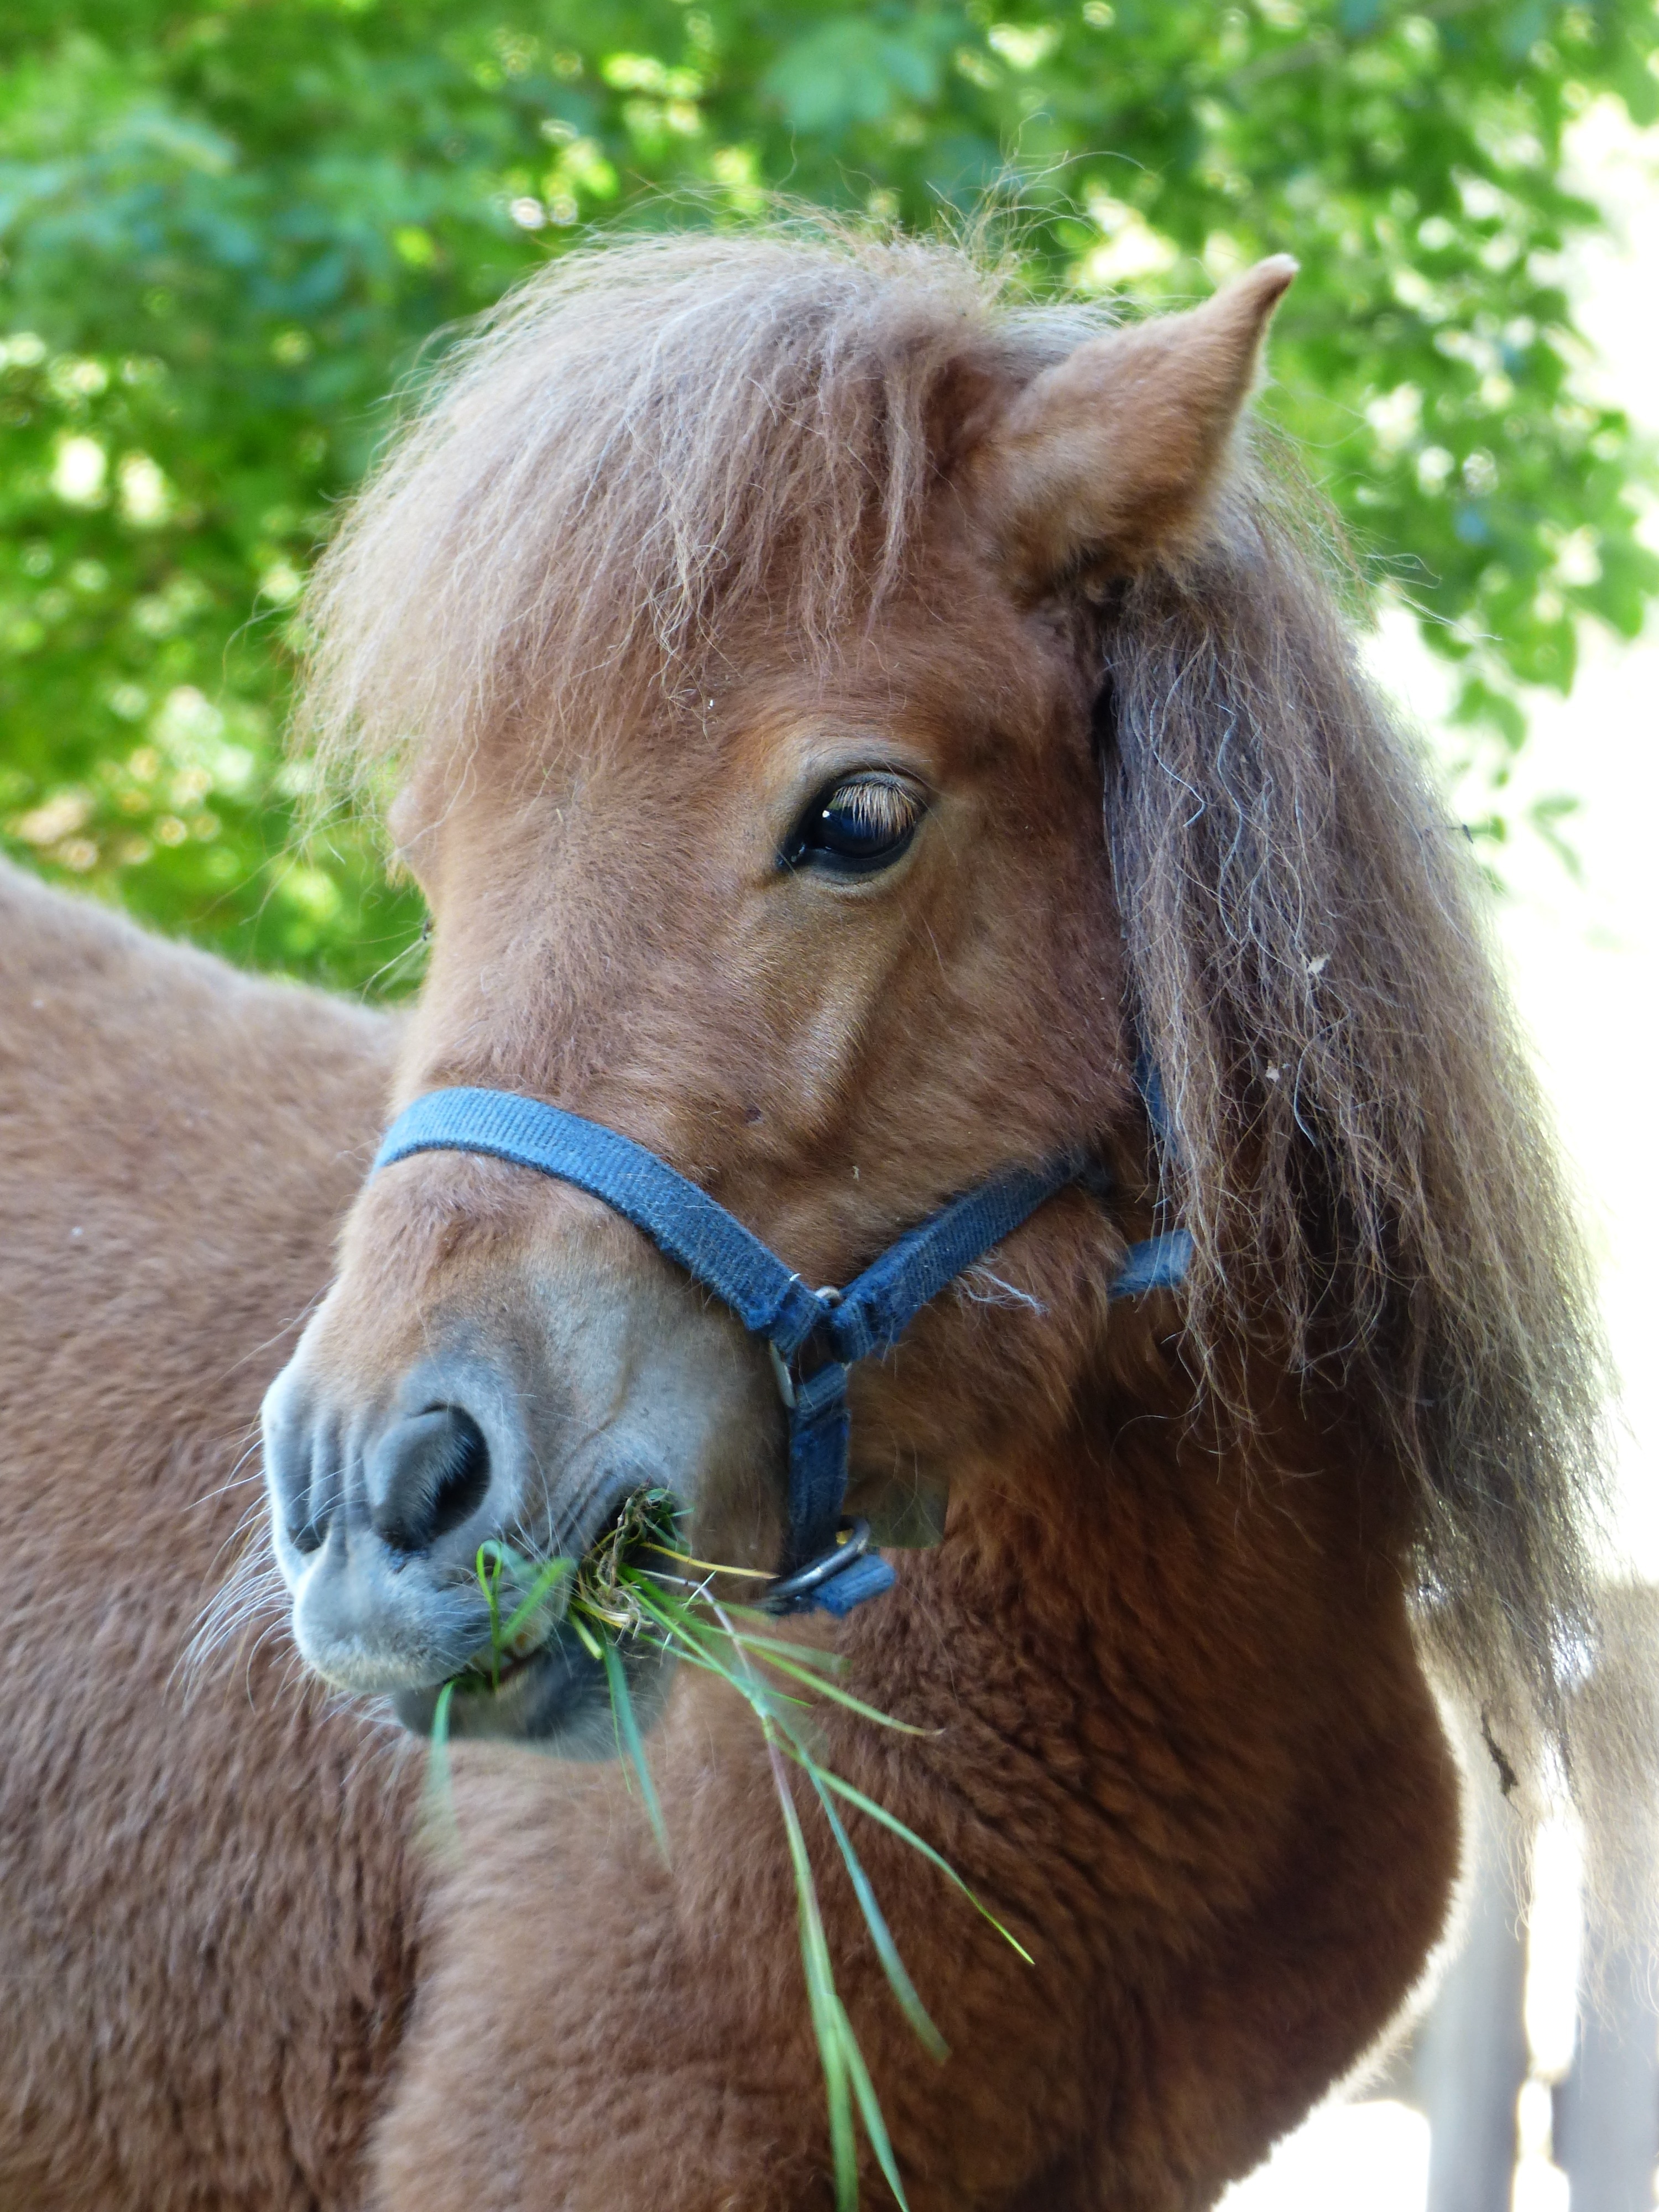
<point x="827" y="1567"/>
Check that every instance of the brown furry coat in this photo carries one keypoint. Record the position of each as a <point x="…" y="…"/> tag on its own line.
<point x="207" y="1924"/>
<point x="1213" y="1800"/>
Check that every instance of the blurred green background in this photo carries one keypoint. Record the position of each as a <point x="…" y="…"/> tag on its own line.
<point x="227" y="233"/>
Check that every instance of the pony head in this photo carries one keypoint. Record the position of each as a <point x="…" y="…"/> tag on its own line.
<point x="836" y="712"/>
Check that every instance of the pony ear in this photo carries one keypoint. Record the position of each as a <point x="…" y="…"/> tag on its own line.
<point x="1110" y="453"/>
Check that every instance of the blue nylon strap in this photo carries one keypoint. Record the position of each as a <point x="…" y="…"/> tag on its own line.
<point x="876" y="1307"/>
<point x="865" y="1577"/>
<point x="820" y="1429"/>
<point x="1150" y="1084"/>
<point x="1157" y="1263"/>
<point x="869" y="1316"/>
<point x="680" y="1219"/>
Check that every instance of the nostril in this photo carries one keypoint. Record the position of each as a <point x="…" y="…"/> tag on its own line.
<point x="302" y="1475"/>
<point x="435" y="1475"/>
<point x="308" y="1535"/>
<point x="464" y="1478"/>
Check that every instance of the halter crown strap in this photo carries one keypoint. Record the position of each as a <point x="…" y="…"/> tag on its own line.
<point x="868" y="1316"/>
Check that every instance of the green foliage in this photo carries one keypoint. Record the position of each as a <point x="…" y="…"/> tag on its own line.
<point x="228" y="231"/>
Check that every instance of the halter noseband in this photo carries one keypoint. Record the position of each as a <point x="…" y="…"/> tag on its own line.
<point x="827" y="1566"/>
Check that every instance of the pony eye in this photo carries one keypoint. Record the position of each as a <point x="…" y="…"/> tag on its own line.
<point x="860" y="825"/>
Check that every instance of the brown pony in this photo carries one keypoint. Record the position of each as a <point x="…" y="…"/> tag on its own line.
<point x="837" y="711"/>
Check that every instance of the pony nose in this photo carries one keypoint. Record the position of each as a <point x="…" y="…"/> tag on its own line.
<point x="425" y="1475"/>
<point x="405" y="1477"/>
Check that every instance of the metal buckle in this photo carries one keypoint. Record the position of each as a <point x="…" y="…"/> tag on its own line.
<point x="783" y="1593"/>
<point x="786" y="1380"/>
<point x="827" y="1297"/>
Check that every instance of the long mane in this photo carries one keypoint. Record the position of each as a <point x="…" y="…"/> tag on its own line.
<point x="648" y="437"/>
<point x="1357" y="1140"/>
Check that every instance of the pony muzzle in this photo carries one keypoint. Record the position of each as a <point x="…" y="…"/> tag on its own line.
<point x="430" y="1423"/>
<point x="377" y="1519"/>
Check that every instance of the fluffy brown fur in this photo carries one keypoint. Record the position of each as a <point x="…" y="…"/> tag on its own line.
<point x="684" y="513"/>
<point x="207" y="1906"/>
<point x="1184" y="1749"/>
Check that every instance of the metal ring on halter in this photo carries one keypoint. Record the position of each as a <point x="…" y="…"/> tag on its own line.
<point x="828" y="1297"/>
<point x="785" y="1380"/>
<point x="816" y="1572"/>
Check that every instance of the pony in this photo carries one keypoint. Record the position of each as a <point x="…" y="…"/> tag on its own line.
<point x="844" y="715"/>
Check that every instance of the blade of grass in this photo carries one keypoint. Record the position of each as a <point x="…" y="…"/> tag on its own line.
<point x="698" y="1646"/>
<point x="804" y="1654"/>
<point x="830" y="2022"/>
<point x="838" y="1696"/>
<point x="612" y="1599"/>
<point x="590" y="1643"/>
<point x="628" y="1727"/>
<point x="712" y="1566"/>
<point x="891" y="1821"/>
<point x="439" y="1807"/>
<point x="489" y="1581"/>
<point x="809" y="1654"/>
<point x="439" y="1757"/>
<point x="515" y="1562"/>
<point x="676" y="1620"/>
<point x="838" y="2048"/>
<point x="898" y="1979"/>
<point x="690" y="1630"/>
<point x="869" y="2106"/>
<point x="552" y="1572"/>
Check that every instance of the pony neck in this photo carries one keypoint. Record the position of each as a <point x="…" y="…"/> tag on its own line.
<point x="1141" y="1581"/>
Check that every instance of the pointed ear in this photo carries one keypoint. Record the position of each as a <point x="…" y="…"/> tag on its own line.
<point x="1110" y="453"/>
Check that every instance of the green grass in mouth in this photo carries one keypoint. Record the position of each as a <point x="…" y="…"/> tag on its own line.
<point x="635" y="1585"/>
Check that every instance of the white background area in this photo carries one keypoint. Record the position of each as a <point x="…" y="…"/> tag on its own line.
<point x="1585" y="969"/>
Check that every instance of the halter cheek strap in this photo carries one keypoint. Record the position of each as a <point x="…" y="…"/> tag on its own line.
<point x="825" y="1567"/>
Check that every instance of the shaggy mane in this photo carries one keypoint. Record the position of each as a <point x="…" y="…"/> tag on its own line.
<point x="1357" y="1140"/>
<point x="641" y="438"/>
<point x="646" y="439"/>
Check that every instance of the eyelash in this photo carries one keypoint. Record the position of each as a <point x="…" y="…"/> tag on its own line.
<point x="879" y="813"/>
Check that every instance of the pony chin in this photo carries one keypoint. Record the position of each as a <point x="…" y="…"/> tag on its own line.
<point x="557" y="1699"/>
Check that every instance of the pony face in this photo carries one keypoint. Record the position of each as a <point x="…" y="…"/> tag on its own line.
<point x="820" y="913"/>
